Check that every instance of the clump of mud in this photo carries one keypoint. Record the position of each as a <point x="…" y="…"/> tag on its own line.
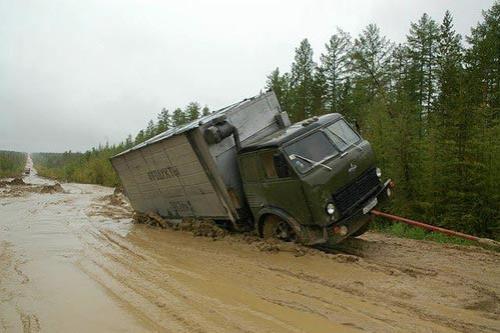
<point x="118" y="190"/>
<point x="116" y="200"/>
<point x="18" y="188"/>
<point x="16" y="181"/>
<point x="207" y="228"/>
<point x="203" y="228"/>
<point x="56" y="188"/>
<point x="115" y="206"/>
<point x="198" y="227"/>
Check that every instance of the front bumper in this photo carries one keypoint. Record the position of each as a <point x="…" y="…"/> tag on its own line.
<point x="358" y="218"/>
<point x="353" y="222"/>
<point x="314" y="235"/>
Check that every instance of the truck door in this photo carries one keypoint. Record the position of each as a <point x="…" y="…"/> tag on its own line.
<point x="281" y="187"/>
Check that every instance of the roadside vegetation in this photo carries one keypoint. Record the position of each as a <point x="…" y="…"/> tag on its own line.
<point x="407" y="231"/>
<point x="430" y="107"/>
<point x="11" y="163"/>
<point x="93" y="166"/>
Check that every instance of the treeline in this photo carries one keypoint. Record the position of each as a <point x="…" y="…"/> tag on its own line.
<point x="11" y="163"/>
<point x="93" y="166"/>
<point x="430" y="107"/>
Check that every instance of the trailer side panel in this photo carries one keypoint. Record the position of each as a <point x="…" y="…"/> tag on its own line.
<point x="167" y="177"/>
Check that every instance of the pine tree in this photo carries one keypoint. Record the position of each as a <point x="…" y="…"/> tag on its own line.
<point x="443" y="126"/>
<point x="483" y="102"/>
<point x="164" y="121"/>
<point x="335" y="67"/>
<point x="129" y="142"/>
<point x="370" y="62"/>
<point x="205" y="111"/>
<point x="139" y="137"/>
<point x="192" y="111"/>
<point x="150" y="130"/>
<point x="280" y="84"/>
<point x="302" y="82"/>
<point x="179" y="117"/>
<point x="422" y="44"/>
<point x="319" y="92"/>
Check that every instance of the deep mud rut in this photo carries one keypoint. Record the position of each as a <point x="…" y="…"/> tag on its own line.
<point x="75" y="261"/>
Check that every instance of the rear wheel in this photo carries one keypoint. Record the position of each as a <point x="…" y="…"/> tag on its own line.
<point x="275" y="227"/>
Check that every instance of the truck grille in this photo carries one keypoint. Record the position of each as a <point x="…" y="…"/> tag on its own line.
<point x="355" y="192"/>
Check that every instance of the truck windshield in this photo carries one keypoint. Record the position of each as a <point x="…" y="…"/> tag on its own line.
<point x="342" y="135"/>
<point x="309" y="151"/>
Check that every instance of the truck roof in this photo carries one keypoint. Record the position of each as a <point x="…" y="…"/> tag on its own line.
<point x="195" y="123"/>
<point x="282" y="136"/>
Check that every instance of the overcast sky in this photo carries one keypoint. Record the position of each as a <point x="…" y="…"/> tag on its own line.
<point x="77" y="73"/>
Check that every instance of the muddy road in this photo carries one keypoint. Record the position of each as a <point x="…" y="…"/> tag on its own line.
<point x="74" y="261"/>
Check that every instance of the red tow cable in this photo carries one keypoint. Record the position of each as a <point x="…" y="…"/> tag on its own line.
<point x="434" y="228"/>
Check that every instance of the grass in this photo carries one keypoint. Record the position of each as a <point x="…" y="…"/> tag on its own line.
<point x="407" y="231"/>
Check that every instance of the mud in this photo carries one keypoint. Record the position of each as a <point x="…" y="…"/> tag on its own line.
<point x="56" y="188"/>
<point x="76" y="261"/>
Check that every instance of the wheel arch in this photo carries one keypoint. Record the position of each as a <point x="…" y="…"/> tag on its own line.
<point x="274" y="211"/>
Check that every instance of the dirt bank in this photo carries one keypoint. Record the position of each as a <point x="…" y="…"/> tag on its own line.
<point x="75" y="260"/>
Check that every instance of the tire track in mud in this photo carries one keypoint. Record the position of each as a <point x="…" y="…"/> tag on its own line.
<point x="174" y="299"/>
<point x="30" y="322"/>
<point x="295" y="306"/>
<point x="388" y="300"/>
<point x="171" y="281"/>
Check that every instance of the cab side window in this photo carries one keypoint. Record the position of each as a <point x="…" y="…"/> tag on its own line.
<point x="275" y="165"/>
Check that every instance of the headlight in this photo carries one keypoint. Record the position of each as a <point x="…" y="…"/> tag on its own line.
<point x="379" y="172"/>
<point x="330" y="208"/>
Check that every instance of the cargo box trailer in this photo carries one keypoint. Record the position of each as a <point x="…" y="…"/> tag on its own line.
<point x="178" y="174"/>
<point x="312" y="182"/>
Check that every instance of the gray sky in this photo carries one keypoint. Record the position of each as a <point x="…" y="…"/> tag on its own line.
<point x="77" y="73"/>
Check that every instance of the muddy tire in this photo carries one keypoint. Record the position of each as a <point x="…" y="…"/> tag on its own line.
<point x="277" y="228"/>
<point x="361" y="230"/>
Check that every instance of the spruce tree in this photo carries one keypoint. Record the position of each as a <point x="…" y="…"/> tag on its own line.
<point x="150" y="130"/>
<point x="422" y="44"/>
<point x="302" y="82"/>
<point x="280" y="84"/>
<point x="335" y="68"/>
<point x="205" y="111"/>
<point x="370" y="62"/>
<point x="483" y="99"/>
<point x="192" y="111"/>
<point x="139" y="137"/>
<point x="164" y="121"/>
<point x="178" y="117"/>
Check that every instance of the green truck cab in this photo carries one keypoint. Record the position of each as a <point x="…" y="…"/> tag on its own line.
<point x="313" y="182"/>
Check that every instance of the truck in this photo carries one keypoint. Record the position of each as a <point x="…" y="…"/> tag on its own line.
<point x="247" y="167"/>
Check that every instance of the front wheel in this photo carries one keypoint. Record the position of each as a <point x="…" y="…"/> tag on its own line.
<point x="277" y="228"/>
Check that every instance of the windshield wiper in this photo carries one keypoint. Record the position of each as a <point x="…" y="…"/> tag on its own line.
<point x="314" y="163"/>
<point x="349" y="145"/>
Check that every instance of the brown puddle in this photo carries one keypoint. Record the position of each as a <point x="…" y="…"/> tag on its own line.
<point x="75" y="261"/>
